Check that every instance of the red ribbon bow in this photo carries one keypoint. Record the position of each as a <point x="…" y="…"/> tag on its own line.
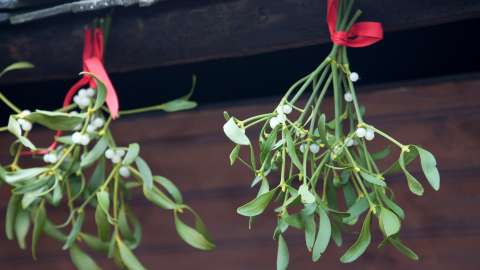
<point x="361" y="34"/>
<point x="92" y="63"/>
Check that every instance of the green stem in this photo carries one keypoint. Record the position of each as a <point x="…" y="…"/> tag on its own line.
<point x="9" y="103"/>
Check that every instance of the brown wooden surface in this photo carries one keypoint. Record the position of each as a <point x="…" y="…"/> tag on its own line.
<point x="190" y="31"/>
<point x="189" y="148"/>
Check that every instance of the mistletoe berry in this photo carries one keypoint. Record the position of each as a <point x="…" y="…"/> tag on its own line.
<point x="124" y="172"/>
<point x="354" y="77"/>
<point x="348" y="97"/>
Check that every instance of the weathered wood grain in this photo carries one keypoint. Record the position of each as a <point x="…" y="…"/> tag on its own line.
<point x="188" y="31"/>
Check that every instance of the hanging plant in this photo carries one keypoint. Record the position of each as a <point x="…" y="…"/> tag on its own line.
<point x="307" y="159"/>
<point x="86" y="172"/>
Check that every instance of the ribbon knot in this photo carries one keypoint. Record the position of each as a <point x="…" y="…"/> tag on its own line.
<point x="361" y="34"/>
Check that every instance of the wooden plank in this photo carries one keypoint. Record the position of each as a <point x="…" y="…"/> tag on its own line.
<point x="177" y="32"/>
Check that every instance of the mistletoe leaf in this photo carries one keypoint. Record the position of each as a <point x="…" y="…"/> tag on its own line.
<point x="389" y="222"/>
<point x="17" y="66"/>
<point x="81" y="260"/>
<point x="234" y="154"/>
<point x="23" y="175"/>
<point x="38" y="225"/>
<point x="408" y="157"/>
<point x="235" y="133"/>
<point x="291" y="149"/>
<point x="381" y="154"/>
<point x="94" y="242"/>
<point x="22" y="226"/>
<point x="256" y="206"/>
<point x="128" y="258"/>
<point x="16" y="130"/>
<point x="323" y="235"/>
<point x="413" y="184"/>
<point x="392" y="205"/>
<point x="170" y="187"/>
<point x="12" y="209"/>
<point x="76" y="227"/>
<point x="96" y="152"/>
<point x="132" y="154"/>
<point x="145" y="172"/>
<point x="56" y="120"/>
<point x="429" y="167"/>
<point x="283" y="256"/>
<point x="310" y="229"/>
<point x="362" y="243"/>
<point x="373" y="179"/>
<point x="192" y="236"/>
<point x="403" y="248"/>
<point x="176" y="105"/>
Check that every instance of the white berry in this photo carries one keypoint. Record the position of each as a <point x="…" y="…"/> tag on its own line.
<point x="281" y="117"/>
<point x="85" y="140"/>
<point x="360" y="132"/>
<point x="370" y="134"/>
<point x="116" y="159"/>
<point x="120" y="152"/>
<point x="124" y="172"/>
<point x="354" y="76"/>
<point x="302" y="148"/>
<point x="348" y="97"/>
<point x="76" y="137"/>
<point x="349" y="142"/>
<point x="98" y="122"/>
<point x="26" y="125"/>
<point x="109" y="153"/>
<point x="82" y="93"/>
<point x="274" y="122"/>
<point x="314" y="148"/>
<point x="286" y="109"/>
<point x="91" y="128"/>
<point x="90" y="92"/>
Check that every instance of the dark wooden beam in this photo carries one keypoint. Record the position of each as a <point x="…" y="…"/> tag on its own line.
<point x="175" y="32"/>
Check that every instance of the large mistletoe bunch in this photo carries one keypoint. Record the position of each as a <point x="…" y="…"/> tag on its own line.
<point x="317" y="167"/>
<point x="87" y="173"/>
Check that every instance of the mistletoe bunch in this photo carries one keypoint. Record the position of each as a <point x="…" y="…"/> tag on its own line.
<point x="88" y="174"/>
<point x="317" y="167"/>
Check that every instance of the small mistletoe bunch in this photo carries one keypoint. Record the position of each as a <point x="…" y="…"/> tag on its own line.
<point x="87" y="173"/>
<point x="319" y="171"/>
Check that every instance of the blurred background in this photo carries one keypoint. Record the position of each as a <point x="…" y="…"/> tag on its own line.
<point x="420" y="84"/>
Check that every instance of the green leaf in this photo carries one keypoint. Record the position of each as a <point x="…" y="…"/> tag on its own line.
<point x="15" y="129"/>
<point x="323" y="235"/>
<point x="310" y="230"/>
<point x="103" y="199"/>
<point x="101" y="220"/>
<point x="403" y="249"/>
<point x="132" y="154"/>
<point x="56" y="120"/>
<point x="268" y="144"/>
<point x="362" y="243"/>
<point x="256" y="206"/>
<point x="23" y="175"/>
<point x="22" y="226"/>
<point x="192" y="236"/>
<point x="283" y="256"/>
<point x="360" y="206"/>
<point x="145" y="173"/>
<point x="76" y="227"/>
<point x="392" y="205"/>
<point x="322" y="130"/>
<point x="408" y="157"/>
<point x="98" y="175"/>
<point x="81" y="260"/>
<point x="94" y="242"/>
<point x="128" y="258"/>
<point x="234" y="154"/>
<point x="159" y="198"/>
<point x="381" y="154"/>
<point x="17" y="66"/>
<point x="235" y="133"/>
<point x="306" y="196"/>
<point x="429" y="167"/>
<point x="389" y="222"/>
<point x="38" y="225"/>
<point x="97" y="151"/>
<point x="12" y="208"/>
<point x="413" y="184"/>
<point x="178" y="105"/>
<point x="101" y="94"/>
<point x="170" y="187"/>
<point x="292" y="152"/>
<point x="373" y="179"/>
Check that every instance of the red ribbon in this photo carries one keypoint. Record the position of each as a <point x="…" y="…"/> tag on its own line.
<point x="361" y="34"/>
<point x="93" y="63"/>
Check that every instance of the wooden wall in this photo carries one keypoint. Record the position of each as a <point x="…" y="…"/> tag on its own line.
<point x="189" y="148"/>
